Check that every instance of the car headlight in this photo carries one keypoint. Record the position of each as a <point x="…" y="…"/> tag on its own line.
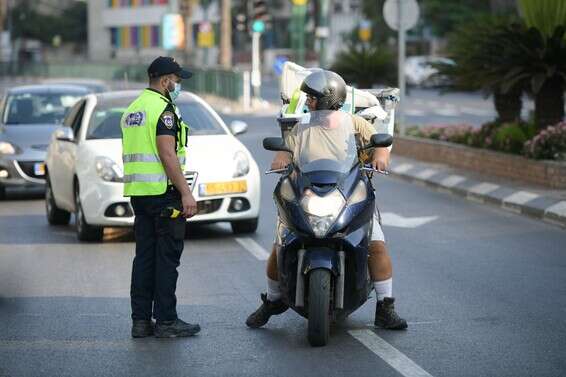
<point x="359" y="194"/>
<point x="241" y="163"/>
<point x="7" y="148"/>
<point x="322" y="211"/>
<point x="108" y="170"/>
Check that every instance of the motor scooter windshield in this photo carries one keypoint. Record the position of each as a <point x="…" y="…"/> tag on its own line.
<point x="324" y="141"/>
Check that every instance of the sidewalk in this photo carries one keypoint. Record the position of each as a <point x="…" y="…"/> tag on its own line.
<point x="537" y="202"/>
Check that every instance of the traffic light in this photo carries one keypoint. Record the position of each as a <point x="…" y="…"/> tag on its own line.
<point x="260" y="13"/>
<point x="241" y="21"/>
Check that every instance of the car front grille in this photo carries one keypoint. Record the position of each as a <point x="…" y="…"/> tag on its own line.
<point x="191" y="177"/>
<point x="208" y="206"/>
<point x="28" y="167"/>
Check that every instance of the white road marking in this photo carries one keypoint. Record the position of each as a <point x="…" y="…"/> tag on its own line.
<point x="393" y="219"/>
<point x="452" y="180"/>
<point x="557" y="209"/>
<point x="391" y="355"/>
<point x="426" y="174"/>
<point x="403" y="168"/>
<point x="253" y="247"/>
<point x="520" y="197"/>
<point x="483" y="188"/>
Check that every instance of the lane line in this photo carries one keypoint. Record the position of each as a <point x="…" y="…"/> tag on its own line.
<point x="253" y="247"/>
<point x="389" y="354"/>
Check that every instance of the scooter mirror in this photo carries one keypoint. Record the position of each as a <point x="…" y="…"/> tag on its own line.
<point x="275" y="144"/>
<point x="381" y="141"/>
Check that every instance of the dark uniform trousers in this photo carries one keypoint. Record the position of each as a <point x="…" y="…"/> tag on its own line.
<point x="159" y="245"/>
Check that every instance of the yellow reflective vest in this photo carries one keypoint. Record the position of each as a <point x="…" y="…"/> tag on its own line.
<point x="144" y="173"/>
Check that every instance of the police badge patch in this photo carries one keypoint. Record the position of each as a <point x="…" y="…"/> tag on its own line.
<point x="168" y="119"/>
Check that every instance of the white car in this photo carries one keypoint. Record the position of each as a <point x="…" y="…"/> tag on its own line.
<point x="85" y="170"/>
<point x="420" y="71"/>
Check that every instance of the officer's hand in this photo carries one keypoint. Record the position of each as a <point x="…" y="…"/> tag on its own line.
<point x="189" y="205"/>
<point x="281" y="160"/>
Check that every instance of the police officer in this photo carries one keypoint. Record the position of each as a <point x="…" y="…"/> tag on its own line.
<point x="154" y="141"/>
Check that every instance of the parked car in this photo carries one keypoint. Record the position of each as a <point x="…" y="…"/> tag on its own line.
<point x="92" y="85"/>
<point x="85" y="169"/>
<point x="421" y="71"/>
<point x="29" y="114"/>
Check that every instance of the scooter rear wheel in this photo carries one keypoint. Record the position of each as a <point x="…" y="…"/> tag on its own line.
<point x="319" y="307"/>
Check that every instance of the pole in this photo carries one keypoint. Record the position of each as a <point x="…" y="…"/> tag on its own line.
<point x="256" y="67"/>
<point x="226" y="36"/>
<point x="401" y="69"/>
<point x="323" y="31"/>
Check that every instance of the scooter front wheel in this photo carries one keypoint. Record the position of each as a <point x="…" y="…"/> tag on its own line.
<point x="319" y="307"/>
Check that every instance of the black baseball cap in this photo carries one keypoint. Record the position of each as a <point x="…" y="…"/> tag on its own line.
<point x="165" y="65"/>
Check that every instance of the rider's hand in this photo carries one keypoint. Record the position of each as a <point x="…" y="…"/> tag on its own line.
<point x="380" y="159"/>
<point x="281" y="160"/>
<point x="189" y="205"/>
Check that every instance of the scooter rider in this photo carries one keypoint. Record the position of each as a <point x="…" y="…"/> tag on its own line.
<point x="327" y="91"/>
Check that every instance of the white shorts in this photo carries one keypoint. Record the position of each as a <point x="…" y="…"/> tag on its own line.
<point x="376" y="231"/>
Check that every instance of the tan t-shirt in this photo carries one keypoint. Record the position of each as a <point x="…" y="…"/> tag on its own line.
<point x="362" y="128"/>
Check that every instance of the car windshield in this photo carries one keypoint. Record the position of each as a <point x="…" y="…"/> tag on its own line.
<point x="105" y="119"/>
<point x="39" y="108"/>
<point x="325" y="141"/>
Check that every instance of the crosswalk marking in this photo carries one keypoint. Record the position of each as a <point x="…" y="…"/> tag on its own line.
<point x="253" y="247"/>
<point x="388" y="353"/>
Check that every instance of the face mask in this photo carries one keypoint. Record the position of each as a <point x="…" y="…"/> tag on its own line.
<point x="175" y="92"/>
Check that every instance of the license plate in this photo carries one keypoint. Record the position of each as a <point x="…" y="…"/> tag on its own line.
<point x="39" y="169"/>
<point x="221" y="188"/>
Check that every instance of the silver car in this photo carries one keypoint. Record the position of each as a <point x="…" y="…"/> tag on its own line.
<point x="29" y="114"/>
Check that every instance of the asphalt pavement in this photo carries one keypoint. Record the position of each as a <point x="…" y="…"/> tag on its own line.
<point x="483" y="290"/>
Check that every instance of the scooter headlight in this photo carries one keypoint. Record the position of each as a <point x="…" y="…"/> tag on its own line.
<point x="286" y="190"/>
<point x="359" y="194"/>
<point x="322" y="211"/>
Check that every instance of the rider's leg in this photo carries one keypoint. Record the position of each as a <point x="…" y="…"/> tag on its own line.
<point x="271" y="302"/>
<point x="381" y="273"/>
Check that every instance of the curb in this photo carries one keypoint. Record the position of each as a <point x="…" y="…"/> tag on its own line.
<point x="546" y="208"/>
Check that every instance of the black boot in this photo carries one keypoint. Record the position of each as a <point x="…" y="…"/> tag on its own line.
<point x="386" y="317"/>
<point x="175" y="329"/>
<point x="266" y="310"/>
<point x="142" y="328"/>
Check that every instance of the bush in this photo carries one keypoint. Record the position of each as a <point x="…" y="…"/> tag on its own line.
<point x="455" y="134"/>
<point x="509" y="138"/>
<point x="548" y="144"/>
<point x="366" y="66"/>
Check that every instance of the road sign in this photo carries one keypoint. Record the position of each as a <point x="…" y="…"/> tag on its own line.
<point x="409" y="13"/>
<point x="173" y="31"/>
<point x="364" y="30"/>
<point x="205" y="37"/>
<point x="299" y="2"/>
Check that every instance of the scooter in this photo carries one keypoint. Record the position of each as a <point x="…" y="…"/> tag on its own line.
<point x="325" y="200"/>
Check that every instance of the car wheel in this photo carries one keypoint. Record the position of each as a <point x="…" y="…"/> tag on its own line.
<point x="85" y="232"/>
<point x="55" y="216"/>
<point x="2" y="193"/>
<point x="244" y="226"/>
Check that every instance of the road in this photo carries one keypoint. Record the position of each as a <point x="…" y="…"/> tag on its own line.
<point x="484" y="292"/>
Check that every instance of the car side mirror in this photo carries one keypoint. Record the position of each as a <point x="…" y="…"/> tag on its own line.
<point x="64" y="134"/>
<point x="380" y="141"/>
<point x="276" y="144"/>
<point x="238" y="127"/>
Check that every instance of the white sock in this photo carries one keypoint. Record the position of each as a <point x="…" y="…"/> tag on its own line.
<point x="273" y="290"/>
<point x="383" y="288"/>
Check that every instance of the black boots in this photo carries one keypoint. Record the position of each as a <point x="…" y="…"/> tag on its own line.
<point x="266" y="310"/>
<point x="142" y="328"/>
<point x="386" y="317"/>
<point x="175" y="329"/>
